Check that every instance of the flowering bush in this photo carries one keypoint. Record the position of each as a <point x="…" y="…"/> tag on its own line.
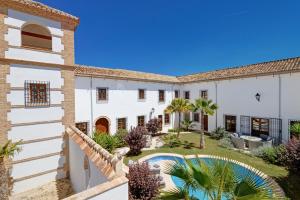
<point x="153" y="126"/>
<point x="142" y="184"/>
<point x="136" y="140"/>
<point x="293" y="154"/>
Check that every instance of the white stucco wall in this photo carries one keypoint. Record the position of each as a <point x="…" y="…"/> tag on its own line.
<point x="43" y="143"/>
<point x="237" y="97"/>
<point x="122" y="101"/>
<point x="16" y="20"/>
<point x="120" y="193"/>
<point x="82" y="179"/>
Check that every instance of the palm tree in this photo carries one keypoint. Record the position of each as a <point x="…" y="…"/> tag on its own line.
<point x="9" y="149"/>
<point x="179" y="106"/>
<point x="217" y="180"/>
<point x="207" y="107"/>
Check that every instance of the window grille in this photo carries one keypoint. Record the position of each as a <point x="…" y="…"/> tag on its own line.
<point x="37" y="93"/>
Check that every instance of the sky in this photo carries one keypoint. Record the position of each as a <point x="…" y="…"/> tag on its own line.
<point x="178" y="37"/>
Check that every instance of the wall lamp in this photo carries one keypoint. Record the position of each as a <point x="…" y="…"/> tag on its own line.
<point x="258" y="96"/>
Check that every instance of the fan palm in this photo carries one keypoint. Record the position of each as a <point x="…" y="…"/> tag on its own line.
<point x="218" y="180"/>
<point x="207" y="107"/>
<point x="179" y="106"/>
<point x="9" y="149"/>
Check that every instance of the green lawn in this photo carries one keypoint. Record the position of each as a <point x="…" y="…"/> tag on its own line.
<point x="289" y="182"/>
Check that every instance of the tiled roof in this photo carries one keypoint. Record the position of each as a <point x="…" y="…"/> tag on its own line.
<point x="271" y="67"/>
<point x="122" y="74"/>
<point x="39" y="7"/>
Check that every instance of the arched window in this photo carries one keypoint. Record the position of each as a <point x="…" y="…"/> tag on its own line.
<point x="36" y="36"/>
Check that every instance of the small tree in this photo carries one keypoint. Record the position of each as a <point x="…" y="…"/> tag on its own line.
<point x="136" y="140"/>
<point x="9" y="149"/>
<point x="178" y="106"/>
<point x="207" y="107"/>
<point x="142" y="184"/>
<point x="153" y="126"/>
<point x="295" y="129"/>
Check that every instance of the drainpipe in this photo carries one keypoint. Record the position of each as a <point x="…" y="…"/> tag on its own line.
<point x="279" y="96"/>
<point x="216" y="86"/>
<point x="91" y="99"/>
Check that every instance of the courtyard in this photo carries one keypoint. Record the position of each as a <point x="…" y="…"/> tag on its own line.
<point x="287" y="180"/>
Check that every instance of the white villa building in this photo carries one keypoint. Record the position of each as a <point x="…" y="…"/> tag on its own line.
<point x="44" y="95"/>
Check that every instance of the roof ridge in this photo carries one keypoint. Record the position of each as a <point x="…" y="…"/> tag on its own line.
<point x="125" y="70"/>
<point x="240" y="66"/>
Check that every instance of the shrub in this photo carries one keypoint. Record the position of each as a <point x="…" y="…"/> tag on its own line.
<point x="274" y="155"/>
<point x="172" y="141"/>
<point x="142" y="184"/>
<point x="108" y="142"/>
<point x="293" y="154"/>
<point x="153" y="126"/>
<point x="186" y="124"/>
<point x="295" y="129"/>
<point x="226" y="143"/>
<point x="136" y="140"/>
<point x="120" y="135"/>
<point x="219" y="133"/>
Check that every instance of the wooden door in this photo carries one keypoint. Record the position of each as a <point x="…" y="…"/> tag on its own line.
<point x="102" y="125"/>
<point x="205" y="122"/>
<point x="160" y="121"/>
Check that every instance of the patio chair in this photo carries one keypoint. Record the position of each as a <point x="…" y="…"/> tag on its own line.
<point x="238" y="142"/>
<point x="255" y="144"/>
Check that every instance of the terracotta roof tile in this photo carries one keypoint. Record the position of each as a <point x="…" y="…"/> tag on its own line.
<point x="123" y="74"/>
<point x="39" y="7"/>
<point x="271" y="67"/>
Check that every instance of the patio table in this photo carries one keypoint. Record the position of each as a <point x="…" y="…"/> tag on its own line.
<point x="250" y="138"/>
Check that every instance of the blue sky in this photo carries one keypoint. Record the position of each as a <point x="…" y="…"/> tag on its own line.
<point x="179" y="37"/>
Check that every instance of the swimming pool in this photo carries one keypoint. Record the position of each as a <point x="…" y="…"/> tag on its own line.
<point x="239" y="169"/>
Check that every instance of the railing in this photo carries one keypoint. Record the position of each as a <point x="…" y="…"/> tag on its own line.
<point x="114" y="161"/>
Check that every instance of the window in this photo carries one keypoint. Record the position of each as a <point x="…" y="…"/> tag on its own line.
<point x="161" y="95"/>
<point x="260" y="126"/>
<point x="141" y="120"/>
<point x="36" y="36"/>
<point x="121" y="123"/>
<point x="160" y="119"/>
<point x="204" y="94"/>
<point x="102" y="94"/>
<point x="82" y="126"/>
<point x="230" y="123"/>
<point x="167" y="118"/>
<point x="141" y="94"/>
<point x="37" y="93"/>
<point x="187" y="94"/>
<point x="177" y="94"/>
<point x="187" y="116"/>
<point x="196" y="117"/>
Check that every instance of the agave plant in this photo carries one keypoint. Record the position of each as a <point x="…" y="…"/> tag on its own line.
<point x="218" y="180"/>
<point x="9" y="149"/>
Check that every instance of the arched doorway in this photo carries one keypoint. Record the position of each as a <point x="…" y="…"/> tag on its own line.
<point x="102" y="125"/>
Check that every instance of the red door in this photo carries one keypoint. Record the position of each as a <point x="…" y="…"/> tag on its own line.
<point x="102" y="125"/>
<point x="160" y="121"/>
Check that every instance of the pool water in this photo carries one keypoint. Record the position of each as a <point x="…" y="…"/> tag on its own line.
<point x="240" y="170"/>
